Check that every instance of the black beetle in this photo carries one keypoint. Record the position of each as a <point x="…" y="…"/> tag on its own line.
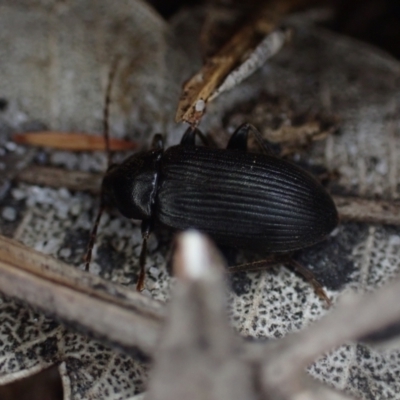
<point x="242" y="200"/>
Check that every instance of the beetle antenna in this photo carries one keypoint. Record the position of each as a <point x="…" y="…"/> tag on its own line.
<point x="106" y="110"/>
<point x="142" y="264"/>
<point x="309" y="276"/>
<point x="93" y="233"/>
<point x="106" y="128"/>
<point x="265" y="147"/>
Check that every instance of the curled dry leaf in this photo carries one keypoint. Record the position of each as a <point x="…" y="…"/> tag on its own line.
<point x="267" y="48"/>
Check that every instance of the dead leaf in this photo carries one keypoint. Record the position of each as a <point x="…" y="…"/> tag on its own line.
<point x="31" y="343"/>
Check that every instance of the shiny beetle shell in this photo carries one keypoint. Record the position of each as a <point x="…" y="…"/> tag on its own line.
<point x="245" y="200"/>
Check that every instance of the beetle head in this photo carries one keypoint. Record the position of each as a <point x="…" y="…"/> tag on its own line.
<point x="131" y="186"/>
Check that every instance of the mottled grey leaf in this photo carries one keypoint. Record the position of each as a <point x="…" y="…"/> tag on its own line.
<point x="30" y="342"/>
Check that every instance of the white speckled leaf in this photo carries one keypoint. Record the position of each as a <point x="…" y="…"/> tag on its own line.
<point x="30" y="342"/>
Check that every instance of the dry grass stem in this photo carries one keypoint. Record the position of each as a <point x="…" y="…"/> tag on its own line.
<point x="117" y="315"/>
<point x="59" y="177"/>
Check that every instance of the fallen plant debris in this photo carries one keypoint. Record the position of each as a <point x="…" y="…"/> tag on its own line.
<point x="82" y="300"/>
<point x="368" y="210"/>
<point x="198" y="345"/>
<point x="282" y="123"/>
<point x="267" y="48"/>
<point x="247" y="50"/>
<point x="59" y="177"/>
<point x="71" y="141"/>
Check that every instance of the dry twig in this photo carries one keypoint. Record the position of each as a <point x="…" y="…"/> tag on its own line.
<point x="115" y="314"/>
<point x="59" y="177"/>
<point x="197" y="91"/>
<point x="367" y="210"/>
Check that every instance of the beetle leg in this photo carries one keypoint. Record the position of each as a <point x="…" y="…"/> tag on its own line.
<point x="310" y="277"/>
<point x="274" y="260"/>
<point x="260" y="265"/>
<point x="189" y="137"/>
<point x="229" y="253"/>
<point x="146" y="230"/>
<point x="158" y="142"/>
<point x="238" y="140"/>
<point x="92" y="239"/>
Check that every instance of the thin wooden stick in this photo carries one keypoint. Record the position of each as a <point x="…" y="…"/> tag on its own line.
<point x="117" y="315"/>
<point x="59" y="177"/>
